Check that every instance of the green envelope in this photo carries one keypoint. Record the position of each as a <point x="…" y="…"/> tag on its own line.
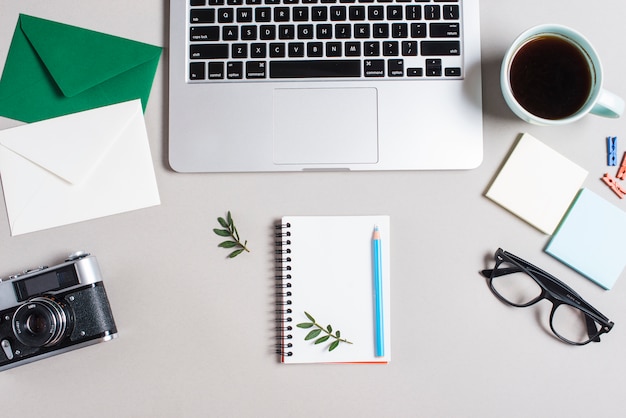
<point x="53" y="69"/>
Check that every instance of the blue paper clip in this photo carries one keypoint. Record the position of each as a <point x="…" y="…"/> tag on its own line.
<point x="611" y="146"/>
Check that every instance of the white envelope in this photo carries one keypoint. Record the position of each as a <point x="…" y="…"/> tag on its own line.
<point x="77" y="167"/>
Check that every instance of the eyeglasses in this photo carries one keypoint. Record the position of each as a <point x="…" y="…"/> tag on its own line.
<point x="518" y="283"/>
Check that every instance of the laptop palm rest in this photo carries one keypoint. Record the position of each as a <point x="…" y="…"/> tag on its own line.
<point x="320" y="126"/>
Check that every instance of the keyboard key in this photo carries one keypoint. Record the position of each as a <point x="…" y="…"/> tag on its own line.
<point x="409" y="48"/>
<point x="314" y="49"/>
<point x="418" y="30"/>
<point x="244" y="14"/>
<point x="295" y="49"/>
<point x="338" y="13"/>
<point x="444" y="30"/>
<point x="249" y="33"/>
<point x="399" y="30"/>
<point x="256" y="69"/>
<point x="394" y="12"/>
<point x="234" y="70"/>
<point x="209" y="51"/>
<point x="374" y="68"/>
<point x="262" y="14"/>
<point x="343" y="31"/>
<point x="333" y="49"/>
<point x="415" y="72"/>
<point x="277" y="50"/>
<point x="305" y="31"/>
<point x="432" y="12"/>
<point x="197" y="71"/>
<point x="371" y="49"/>
<point x="324" y="31"/>
<point x="433" y="67"/>
<point x="430" y="48"/>
<point x="315" y="69"/>
<point x="381" y="30"/>
<point x="202" y="16"/>
<point x="353" y="49"/>
<point x="391" y="49"/>
<point x="413" y="12"/>
<point x="356" y="13"/>
<point x="451" y="12"/>
<point x="240" y="51"/>
<point x="230" y="33"/>
<point x="226" y="15"/>
<point x="395" y="68"/>
<point x="204" y="33"/>
<point x="376" y="12"/>
<point x="216" y="71"/>
<point x="453" y="72"/>
<point x="258" y="50"/>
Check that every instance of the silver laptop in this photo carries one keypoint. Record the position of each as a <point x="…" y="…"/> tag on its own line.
<point x="294" y="85"/>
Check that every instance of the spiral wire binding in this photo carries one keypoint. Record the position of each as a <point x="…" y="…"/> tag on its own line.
<point x="282" y="277"/>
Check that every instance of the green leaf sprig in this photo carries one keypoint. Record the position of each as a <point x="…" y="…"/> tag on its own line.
<point x="328" y="331"/>
<point x="230" y="231"/>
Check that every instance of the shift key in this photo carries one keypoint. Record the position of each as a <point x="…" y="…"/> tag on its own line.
<point x="208" y="51"/>
<point x="433" y="48"/>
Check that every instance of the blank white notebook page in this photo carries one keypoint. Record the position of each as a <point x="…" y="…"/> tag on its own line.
<point x="332" y="279"/>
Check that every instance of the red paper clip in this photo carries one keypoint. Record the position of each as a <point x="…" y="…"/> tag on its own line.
<point x="614" y="185"/>
<point x="621" y="174"/>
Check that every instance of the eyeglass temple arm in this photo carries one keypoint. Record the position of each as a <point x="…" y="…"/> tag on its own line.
<point x="500" y="272"/>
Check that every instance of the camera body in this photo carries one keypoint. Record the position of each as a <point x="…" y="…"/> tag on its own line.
<point x="52" y="310"/>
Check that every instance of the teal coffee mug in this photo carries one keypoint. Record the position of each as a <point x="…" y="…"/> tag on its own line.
<point x="551" y="75"/>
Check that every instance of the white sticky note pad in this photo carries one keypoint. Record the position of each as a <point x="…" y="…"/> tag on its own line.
<point x="537" y="184"/>
<point x="591" y="239"/>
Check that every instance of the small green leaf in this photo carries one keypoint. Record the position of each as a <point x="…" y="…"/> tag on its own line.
<point x="223" y="222"/>
<point x="338" y="334"/>
<point x="228" y="244"/>
<point x="222" y="232"/>
<point x="334" y="345"/>
<point x="229" y="219"/>
<point x="330" y="329"/>
<point x="309" y="316"/>
<point x="313" y="334"/>
<point x="235" y="253"/>
<point x="305" y="325"/>
<point x="322" y="339"/>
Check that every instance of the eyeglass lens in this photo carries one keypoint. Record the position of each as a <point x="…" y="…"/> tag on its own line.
<point x="518" y="288"/>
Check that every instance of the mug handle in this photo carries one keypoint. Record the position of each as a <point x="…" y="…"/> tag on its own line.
<point x="608" y="105"/>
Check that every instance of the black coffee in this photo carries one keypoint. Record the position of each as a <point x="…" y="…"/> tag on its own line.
<point x="550" y="77"/>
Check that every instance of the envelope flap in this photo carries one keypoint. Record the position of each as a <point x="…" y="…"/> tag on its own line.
<point x="72" y="146"/>
<point x="79" y="59"/>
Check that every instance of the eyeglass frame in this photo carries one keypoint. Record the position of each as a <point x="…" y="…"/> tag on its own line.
<point x="552" y="289"/>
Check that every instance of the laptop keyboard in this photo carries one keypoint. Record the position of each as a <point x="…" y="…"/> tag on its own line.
<point x="274" y="40"/>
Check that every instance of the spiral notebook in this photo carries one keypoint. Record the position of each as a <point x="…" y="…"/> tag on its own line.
<point x="326" y="270"/>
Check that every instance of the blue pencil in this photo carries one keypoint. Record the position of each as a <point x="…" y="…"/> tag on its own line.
<point x="378" y="293"/>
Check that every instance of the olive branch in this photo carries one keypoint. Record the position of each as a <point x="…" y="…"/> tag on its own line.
<point x="328" y="331"/>
<point x="230" y="231"/>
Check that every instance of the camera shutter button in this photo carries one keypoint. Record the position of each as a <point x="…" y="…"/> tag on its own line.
<point x="77" y="255"/>
<point x="6" y="347"/>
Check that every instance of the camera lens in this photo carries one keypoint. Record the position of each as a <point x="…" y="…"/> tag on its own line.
<point x="39" y="322"/>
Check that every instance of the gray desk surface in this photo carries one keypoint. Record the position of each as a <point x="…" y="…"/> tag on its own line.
<point x="196" y="330"/>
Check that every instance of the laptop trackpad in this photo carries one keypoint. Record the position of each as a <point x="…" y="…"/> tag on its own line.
<point x="325" y="126"/>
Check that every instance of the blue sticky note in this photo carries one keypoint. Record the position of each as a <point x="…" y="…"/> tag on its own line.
<point x="590" y="239"/>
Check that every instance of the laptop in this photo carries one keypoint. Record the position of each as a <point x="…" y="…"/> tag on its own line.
<point x="307" y="85"/>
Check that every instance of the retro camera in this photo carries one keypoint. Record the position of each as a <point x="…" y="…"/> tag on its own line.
<point x="52" y="310"/>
